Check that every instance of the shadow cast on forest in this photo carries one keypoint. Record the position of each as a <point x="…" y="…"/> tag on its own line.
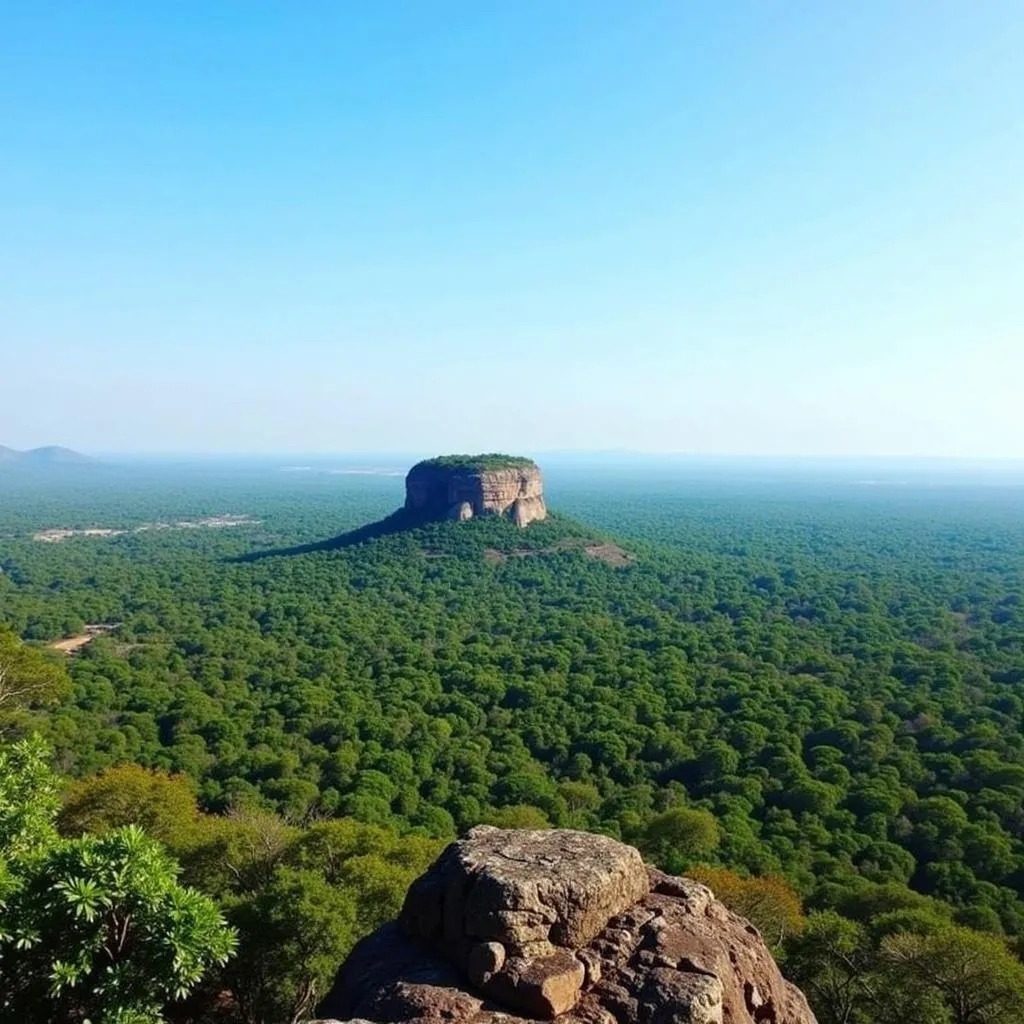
<point x="398" y="522"/>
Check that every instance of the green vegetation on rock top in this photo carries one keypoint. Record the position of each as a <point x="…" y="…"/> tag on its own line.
<point x="475" y="463"/>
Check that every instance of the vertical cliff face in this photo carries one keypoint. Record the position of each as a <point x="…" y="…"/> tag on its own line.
<point x="462" y="486"/>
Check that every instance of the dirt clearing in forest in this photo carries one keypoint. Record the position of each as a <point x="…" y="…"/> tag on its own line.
<point x="73" y="644"/>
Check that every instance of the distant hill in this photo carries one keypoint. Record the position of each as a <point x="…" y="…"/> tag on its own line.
<point x="50" y="455"/>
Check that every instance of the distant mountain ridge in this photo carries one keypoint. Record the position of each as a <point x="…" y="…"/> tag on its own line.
<point x="49" y="455"/>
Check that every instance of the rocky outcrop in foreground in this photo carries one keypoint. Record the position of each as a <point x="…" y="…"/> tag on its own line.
<point x="461" y="487"/>
<point x="511" y="926"/>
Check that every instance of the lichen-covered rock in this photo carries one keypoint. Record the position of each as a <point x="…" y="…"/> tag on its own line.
<point x="512" y="926"/>
<point x="460" y="487"/>
<point x="527" y="890"/>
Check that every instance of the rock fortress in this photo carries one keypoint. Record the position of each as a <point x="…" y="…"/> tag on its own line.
<point x="466" y="486"/>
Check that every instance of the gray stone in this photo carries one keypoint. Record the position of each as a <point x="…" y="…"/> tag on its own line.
<point x="509" y="927"/>
<point x="439" y="492"/>
<point x="484" y="960"/>
<point x="521" y="887"/>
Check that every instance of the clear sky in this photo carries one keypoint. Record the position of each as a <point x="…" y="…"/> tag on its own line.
<point x="760" y="227"/>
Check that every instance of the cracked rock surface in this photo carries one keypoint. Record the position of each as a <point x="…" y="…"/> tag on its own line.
<point x="453" y="493"/>
<point x="511" y="926"/>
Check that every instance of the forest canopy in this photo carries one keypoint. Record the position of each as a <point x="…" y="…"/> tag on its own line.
<point x="813" y="696"/>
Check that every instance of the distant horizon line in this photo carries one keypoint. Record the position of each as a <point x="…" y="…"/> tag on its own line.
<point x="629" y="453"/>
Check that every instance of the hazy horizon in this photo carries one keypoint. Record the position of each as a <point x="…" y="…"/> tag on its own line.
<point x="128" y="454"/>
<point x="728" y="229"/>
<point x="392" y="462"/>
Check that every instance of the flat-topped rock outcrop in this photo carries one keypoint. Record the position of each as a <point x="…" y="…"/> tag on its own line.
<point x="463" y="486"/>
<point x="514" y="926"/>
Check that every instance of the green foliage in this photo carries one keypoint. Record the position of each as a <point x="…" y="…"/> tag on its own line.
<point x="489" y="460"/>
<point x="28" y="799"/>
<point x="977" y="978"/>
<point x="680" y="836"/>
<point x="28" y="675"/>
<point x="295" y="932"/>
<point x="517" y="816"/>
<point x="321" y="890"/>
<point x="163" y="806"/>
<point x="831" y="963"/>
<point x="769" y="903"/>
<point x="375" y="866"/>
<point x="832" y="673"/>
<point x="909" y="969"/>
<point x="104" y="919"/>
<point x="237" y="852"/>
<point x="92" y="928"/>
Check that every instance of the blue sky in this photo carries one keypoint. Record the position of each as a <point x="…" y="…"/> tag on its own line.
<point x="720" y="228"/>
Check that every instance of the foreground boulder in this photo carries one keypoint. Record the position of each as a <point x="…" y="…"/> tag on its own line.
<point x="511" y="926"/>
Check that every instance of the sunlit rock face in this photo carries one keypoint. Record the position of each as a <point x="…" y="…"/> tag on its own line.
<point x="513" y="927"/>
<point x="461" y="487"/>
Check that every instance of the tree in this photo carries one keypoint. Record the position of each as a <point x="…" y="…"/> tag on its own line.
<point x="373" y="865"/>
<point x="768" y="902"/>
<point x="95" y="928"/>
<point x="237" y="853"/>
<point x="164" y="806"/>
<point x="979" y="979"/>
<point x="27" y="675"/>
<point x="294" y="933"/>
<point x="910" y="967"/>
<point x="28" y="799"/>
<point x="579" y="796"/>
<point x="831" y="963"/>
<point x="300" y="899"/>
<point x="518" y="816"/>
<point x="679" y="836"/>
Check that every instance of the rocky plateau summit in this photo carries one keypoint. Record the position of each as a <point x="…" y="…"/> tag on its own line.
<point x="511" y="926"/>
<point x="464" y="486"/>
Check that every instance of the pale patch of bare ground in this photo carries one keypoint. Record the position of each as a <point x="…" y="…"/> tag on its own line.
<point x="73" y="644"/>
<point x="56" y="535"/>
<point x="610" y="554"/>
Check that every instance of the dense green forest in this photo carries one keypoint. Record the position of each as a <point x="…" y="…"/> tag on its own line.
<point x="816" y="682"/>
